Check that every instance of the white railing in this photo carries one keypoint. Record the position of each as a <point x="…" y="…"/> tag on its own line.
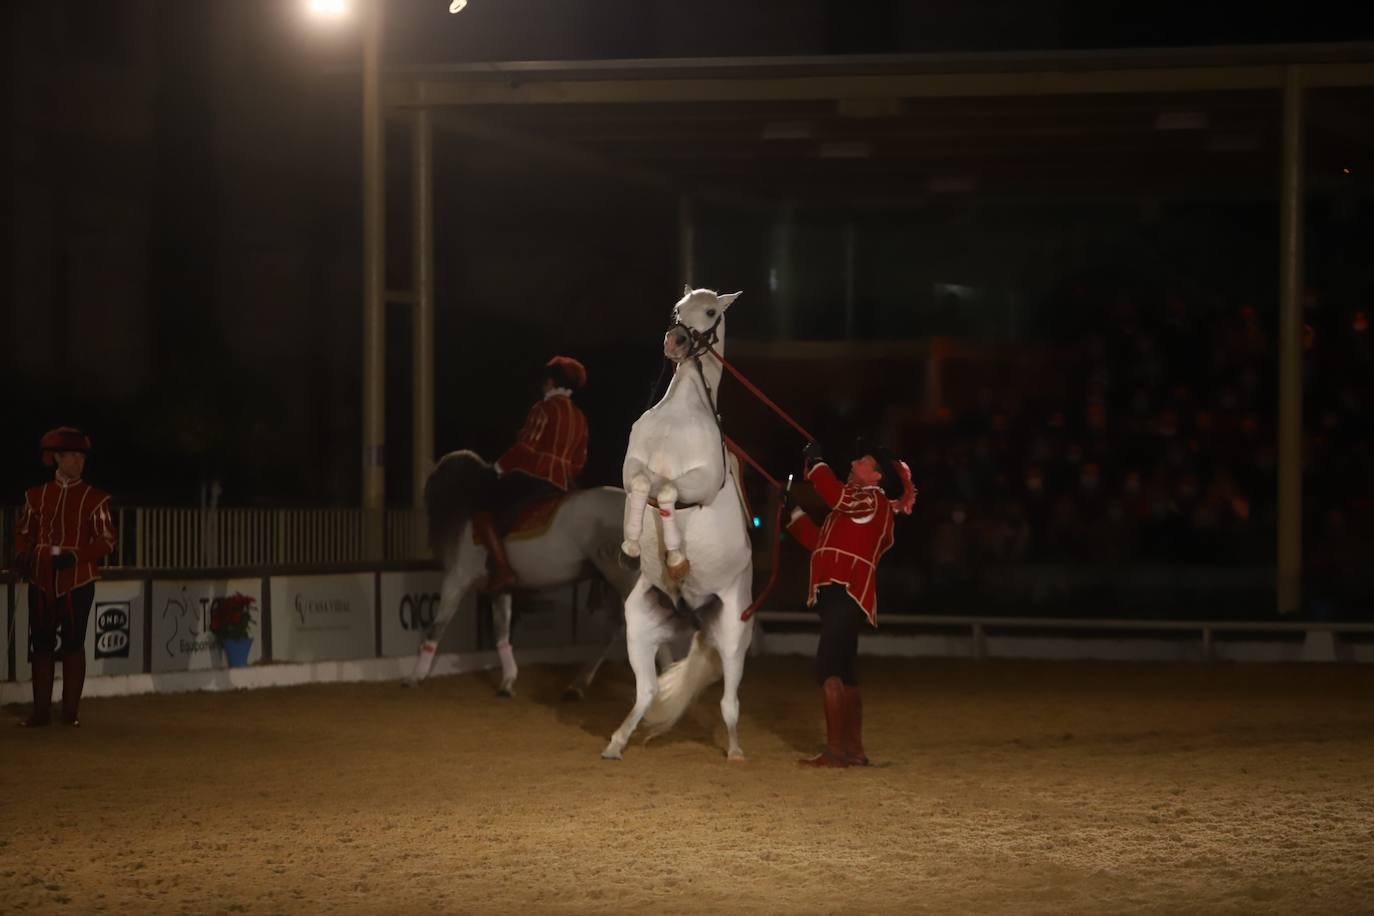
<point x="189" y="538"/>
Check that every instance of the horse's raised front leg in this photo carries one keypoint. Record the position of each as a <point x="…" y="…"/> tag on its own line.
<point x="636" y="498"/>
<point x="675" y="560"/>
<point x="643" y="634"/>
<point x="697" y="480"/>
<point x="501" y="620"/>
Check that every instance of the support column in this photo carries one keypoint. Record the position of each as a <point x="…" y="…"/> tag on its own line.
<point x="850" y="242"/>
<point x="687" y="242"/>
<point x="1291" y="224"/>
<point x="374" y="281"/>
<point x="422" y="282"/>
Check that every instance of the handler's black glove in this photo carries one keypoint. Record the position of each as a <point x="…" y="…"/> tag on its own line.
<point x="21" y="566"/>
<point x="64" y="560"/>
<point x="811" y="454"/>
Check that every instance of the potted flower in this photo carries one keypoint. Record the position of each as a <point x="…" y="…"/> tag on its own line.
<point x="230" y="619"/>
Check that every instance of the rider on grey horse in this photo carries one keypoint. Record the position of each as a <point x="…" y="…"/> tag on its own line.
<point x="546" y="458"/>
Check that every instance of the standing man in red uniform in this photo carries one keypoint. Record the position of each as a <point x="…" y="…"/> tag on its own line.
<point x="844" y="563"/>
<point x="543" y="463"/>
<point x="64" y="529"/>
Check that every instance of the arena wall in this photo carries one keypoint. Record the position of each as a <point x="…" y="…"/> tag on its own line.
<point x="152" y="634"/>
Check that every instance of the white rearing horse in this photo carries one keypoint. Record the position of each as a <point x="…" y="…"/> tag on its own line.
<point x="685" y="522"/>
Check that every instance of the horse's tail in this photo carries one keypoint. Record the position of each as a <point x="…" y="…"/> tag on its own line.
<point x="680" y="684"/>
<point x="452" y="494"/>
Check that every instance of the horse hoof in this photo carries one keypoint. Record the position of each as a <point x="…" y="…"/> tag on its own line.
<point x="409" y="682"/>
<point x="736" y="758"/>
<point x="572" y="695"/>
<point x="630" y="548"/>
<point x="627" y="562"/>
<point x="610" y="755"/>
<point x="678" y="571"/>
<point x="505" y="693"/>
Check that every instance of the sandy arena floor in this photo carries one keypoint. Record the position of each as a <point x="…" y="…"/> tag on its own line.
<point x="1002" y="787"/>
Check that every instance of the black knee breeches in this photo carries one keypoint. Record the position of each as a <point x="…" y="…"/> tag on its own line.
<point x="66" y="616"/>
<point x="841" y="620"/>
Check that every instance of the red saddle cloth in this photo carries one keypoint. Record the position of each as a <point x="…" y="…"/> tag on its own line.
<point x="534" y="520"/>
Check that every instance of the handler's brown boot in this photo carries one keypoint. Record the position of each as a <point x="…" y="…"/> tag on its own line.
<point x="42" y="692"/>
<point x="73" y="680"/>
<point x="499" y="575"/>
<point x="832" y="695"/>
<point x="854" y="727"/>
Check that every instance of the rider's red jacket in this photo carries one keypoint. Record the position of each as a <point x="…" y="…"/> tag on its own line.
<point x="553" y="442"/>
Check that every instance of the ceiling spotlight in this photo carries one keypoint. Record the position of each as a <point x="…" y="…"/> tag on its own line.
<point x="328" y="8"/>
<point x="456" y="6"/>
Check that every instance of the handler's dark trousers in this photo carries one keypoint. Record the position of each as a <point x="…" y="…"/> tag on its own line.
<point x="67" y="616"/>
<point x="841" y="619"/>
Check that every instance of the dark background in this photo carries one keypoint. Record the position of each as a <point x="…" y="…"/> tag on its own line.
<point x="180" y="268"/>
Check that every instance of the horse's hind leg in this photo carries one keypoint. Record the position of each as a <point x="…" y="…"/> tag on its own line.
<point x="731" y="637"/>
<point x="501" y="620"/>
<point x="578" y="688"/>
<point x="643" y="634"/>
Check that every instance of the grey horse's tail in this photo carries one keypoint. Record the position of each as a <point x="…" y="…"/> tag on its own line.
<point x="453" y="493"/>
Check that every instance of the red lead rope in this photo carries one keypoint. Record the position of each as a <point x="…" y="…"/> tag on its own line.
<point x="762" y="397"/>
<point x="744" y="456"/>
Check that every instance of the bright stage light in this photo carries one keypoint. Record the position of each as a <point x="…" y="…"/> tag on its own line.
<point x="457" y="6"/>
<point x="328" y="9"/>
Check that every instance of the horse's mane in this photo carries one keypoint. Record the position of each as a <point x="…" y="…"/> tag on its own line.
<point x="451" y="495"/>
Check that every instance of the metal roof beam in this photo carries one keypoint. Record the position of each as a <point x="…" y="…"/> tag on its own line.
<point x="470" y="90"/>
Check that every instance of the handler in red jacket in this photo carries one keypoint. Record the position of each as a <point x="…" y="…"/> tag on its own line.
<point x="63" y="530"/>
<point x="844" y="563"/>
<point x="544" y="461"/>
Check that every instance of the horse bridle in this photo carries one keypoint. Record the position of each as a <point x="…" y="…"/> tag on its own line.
<point x="701" y="340"/>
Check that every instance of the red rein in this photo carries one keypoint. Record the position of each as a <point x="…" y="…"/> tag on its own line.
<point x="744" y="456"/>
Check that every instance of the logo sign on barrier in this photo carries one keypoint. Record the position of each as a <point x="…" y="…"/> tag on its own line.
<point x="410" y="604"/>
<point x="111" y="620"/>
<point x="121" y="653"/>
<point x="317" y="618"/>
<point x="182" y="640"/>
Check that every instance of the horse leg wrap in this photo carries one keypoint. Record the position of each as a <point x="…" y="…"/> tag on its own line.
<point x="425" y="660"/>
<point x="635" y="501"/>
<point x="672" y="537"/>
<point x="507" y="656"/>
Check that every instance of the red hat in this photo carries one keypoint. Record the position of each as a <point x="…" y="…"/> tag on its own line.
<point x="63" y="439"/>
<point x="569" y="370"/>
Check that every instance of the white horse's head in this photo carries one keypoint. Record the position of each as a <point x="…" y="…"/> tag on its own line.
<point x="698" y="323"/>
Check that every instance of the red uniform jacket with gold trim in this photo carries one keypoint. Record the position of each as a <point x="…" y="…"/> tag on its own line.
<point x="847" y="547"/>
<point x="552" y="444"/>
<point x="72" y="515"/>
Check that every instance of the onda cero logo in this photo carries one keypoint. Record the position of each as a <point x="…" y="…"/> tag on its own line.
<point x="111" y="629"/>
<point x="417" y="611"/>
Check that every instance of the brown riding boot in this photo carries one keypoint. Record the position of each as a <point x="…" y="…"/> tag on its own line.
<point x="73" y="680"/>
<point x="499" y="575"/>
<point x="854" y="727"/>
<point x="42" y="692"/>
<point x="832" y="695"/>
